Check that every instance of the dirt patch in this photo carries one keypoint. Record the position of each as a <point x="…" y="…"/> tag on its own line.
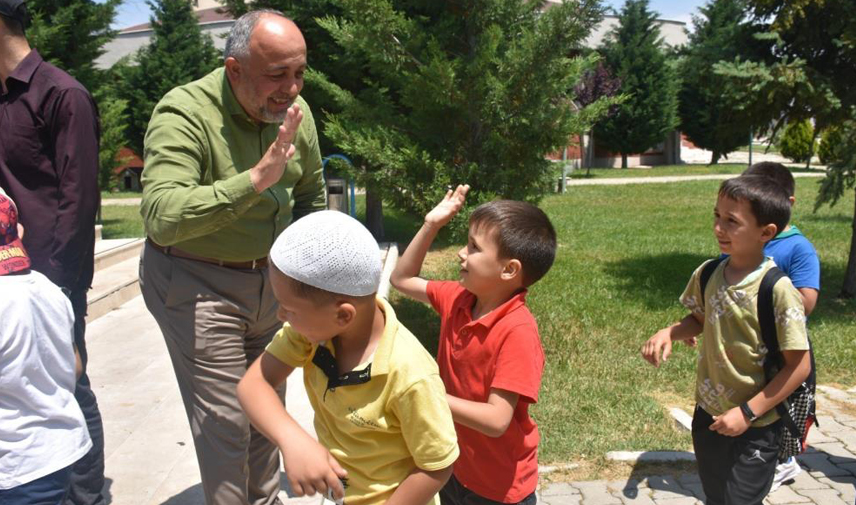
<point x="604" y="469"/>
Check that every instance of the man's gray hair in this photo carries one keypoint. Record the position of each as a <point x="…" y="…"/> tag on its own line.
<point x="238" y="43"/>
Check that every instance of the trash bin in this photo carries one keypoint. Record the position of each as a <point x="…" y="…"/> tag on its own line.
<point x="337" y="197"/>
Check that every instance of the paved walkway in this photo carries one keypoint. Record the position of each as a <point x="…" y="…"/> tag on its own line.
<point x="151" y="461"/>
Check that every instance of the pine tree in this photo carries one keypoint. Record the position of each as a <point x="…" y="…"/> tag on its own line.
<point x="71" y="35"/>
<point x="633" y="52"/>
<point x="476" y="91"/>
<point x="708" y="119"/>
<point x="178" y="53"/>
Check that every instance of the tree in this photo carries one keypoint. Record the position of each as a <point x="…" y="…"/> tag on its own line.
<point x="178" y="53"/>
<point x="797" y="141"/>
<point x="113" y="125"/>
<point x="633" y="53"/>
<point x="71" y="35"/>
<point x="708" y="119"/>
<point x="596" y="83"/>
<point x="811" y="76"/>
<point x="830" y="138"/>
<point x="475" y="92"/>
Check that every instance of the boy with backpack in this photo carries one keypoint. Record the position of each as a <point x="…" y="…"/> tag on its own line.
<point x="795" y="255"/>
<point x="737" y="428"/>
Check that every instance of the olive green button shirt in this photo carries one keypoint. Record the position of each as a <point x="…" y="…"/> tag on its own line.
<point x="197" y="194"/>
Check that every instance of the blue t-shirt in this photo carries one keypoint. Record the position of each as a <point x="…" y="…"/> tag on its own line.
<point x="796" y="257"/>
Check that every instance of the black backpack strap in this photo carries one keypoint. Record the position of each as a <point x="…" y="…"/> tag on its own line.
<point x="774" y="360"/>
<point x="706" y="272"/>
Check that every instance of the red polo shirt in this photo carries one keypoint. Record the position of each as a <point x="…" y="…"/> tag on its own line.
<point x="501" y="350"/>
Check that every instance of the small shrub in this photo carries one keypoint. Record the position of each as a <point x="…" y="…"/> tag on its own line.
<point x="797" y="141"/>
<point x="828" y="141"/>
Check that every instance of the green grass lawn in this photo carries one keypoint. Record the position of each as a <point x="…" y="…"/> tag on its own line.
<point x="662" y="171"/>
<point x="121" y="221"/>
<point x="121" y="194"/>
<point x="625" y="255"/>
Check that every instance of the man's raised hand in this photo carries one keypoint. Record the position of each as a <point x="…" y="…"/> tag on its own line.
<point x="270" y="168"/>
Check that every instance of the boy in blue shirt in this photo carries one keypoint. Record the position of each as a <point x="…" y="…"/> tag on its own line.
<point x="795" y="255"/>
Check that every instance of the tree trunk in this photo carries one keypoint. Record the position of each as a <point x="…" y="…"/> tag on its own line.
<point x="848" y="290"/>
<point x="714" y="157"/>
<point x="374" y="212"/>
<point x="623" y="160"/>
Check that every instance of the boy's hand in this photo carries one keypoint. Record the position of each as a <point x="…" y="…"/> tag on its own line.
<point x="661" y="342"/>
<point x="446" y="210"/>
<point x="731" y="424"/>
<point x="311" y="469"/>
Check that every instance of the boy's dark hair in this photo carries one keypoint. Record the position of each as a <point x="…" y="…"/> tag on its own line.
<point x="775" y="171"/>
<point x="768" y="200"/>
<point x="523" y="232"/>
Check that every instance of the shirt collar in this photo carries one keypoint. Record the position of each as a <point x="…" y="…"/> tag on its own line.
<point x="790" y="232"/>
<point x="25" y="70"/>
<point x="490" y="319"/>
<point x="380" y="363"/>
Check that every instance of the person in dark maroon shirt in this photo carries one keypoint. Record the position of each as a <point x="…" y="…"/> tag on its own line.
<point x="49" y="133"/>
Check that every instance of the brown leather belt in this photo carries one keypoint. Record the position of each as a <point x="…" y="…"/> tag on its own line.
<point x="258" y="264"/>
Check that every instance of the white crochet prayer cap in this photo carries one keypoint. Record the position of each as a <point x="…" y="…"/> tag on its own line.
<point x="329" y="250"/>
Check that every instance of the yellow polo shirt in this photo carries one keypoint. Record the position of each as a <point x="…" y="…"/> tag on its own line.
<point x="380" y="430"/>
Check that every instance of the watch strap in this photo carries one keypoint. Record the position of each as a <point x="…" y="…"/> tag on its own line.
<point x="744" y="407"/>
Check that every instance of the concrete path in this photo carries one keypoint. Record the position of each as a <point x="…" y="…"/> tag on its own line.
<point x="151" y="461"/>
<point x="127" y="202"/>
<point x="617" y="181"/>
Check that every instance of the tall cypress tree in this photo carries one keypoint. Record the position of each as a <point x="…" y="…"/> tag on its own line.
<point x="178" y="53"/>
<point x="708" y="118"/>
<point x="634" y="54"/>
<point x="476" y="91"/>
<point x="71" y="35"/>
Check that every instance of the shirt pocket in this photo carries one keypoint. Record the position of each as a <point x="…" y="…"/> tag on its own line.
<point x="20" y="147"/>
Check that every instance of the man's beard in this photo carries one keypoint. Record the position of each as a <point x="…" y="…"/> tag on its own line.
<point x="272" y="117"/>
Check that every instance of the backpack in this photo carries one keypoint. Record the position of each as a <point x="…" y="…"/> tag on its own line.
<point x="797" y="411"/>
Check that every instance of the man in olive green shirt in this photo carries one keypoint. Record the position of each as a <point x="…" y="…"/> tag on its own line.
<point x="230" y="161"/>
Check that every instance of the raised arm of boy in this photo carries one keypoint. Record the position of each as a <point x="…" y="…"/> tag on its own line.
<point x="405" y="277"/>
<point x="309" y="466"/>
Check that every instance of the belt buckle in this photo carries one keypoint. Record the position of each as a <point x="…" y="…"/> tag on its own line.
<point x="254" y="265"/>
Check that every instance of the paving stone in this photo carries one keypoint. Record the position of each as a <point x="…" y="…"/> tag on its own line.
<point x="625" y="486"/>
<point x="816" y="436"/>
<point x="805" y="480"/>
<point x="850" y="467"/>
<point x="844" y="485"/>
<point x="596" y="493"/>
<point x="559" y="489"/>
<point x="637" y="497"/>
<point x="823" y="496"/>
<point x="573" y="499"/>
<point x="696" y="489"/>
<point x="837" y="453"/>
<point x="686" y="500"/>
<point x="848" y="438"/>
<point x="689" y="478"/>
<point x="666" y="487"/>
<point x="830" y="425"/>
<point x="821" y="466"/>
<point x="834" y="393"/>
<point x="785" y="495"/>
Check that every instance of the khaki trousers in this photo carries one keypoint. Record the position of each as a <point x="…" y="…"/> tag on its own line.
<point x="216" y="321"/>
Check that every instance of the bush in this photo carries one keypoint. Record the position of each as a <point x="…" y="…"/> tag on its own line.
<point x="797" y="141"/>
<point x="831" y="137"/>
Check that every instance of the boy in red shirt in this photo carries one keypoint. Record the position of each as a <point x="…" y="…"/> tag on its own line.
<point x="490" y="354"/>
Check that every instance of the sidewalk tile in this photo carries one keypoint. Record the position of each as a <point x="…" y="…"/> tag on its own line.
<point x="559" y="489"/>
<point x="785" y="495"/>
<point x="821" y="466"/>
<point x="666" y="487"/>
<point x="824" y="496"/>
<point x="640" y="497"/>
<point x="844" y="485"/>
<point x="596" y="493"/>
<point x="686" y="500"/>
<point x="805" y="480"/>
<point x="837" y="453"/>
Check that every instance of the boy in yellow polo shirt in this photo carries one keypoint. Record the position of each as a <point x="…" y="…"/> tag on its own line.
<point x="383" y="423"/>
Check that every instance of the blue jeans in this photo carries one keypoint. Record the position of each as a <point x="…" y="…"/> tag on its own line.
<point x="48" y="490"/>
<point x="87" y="475"/>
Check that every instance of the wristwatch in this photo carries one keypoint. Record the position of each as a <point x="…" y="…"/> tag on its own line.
<point x="744" y="407"/>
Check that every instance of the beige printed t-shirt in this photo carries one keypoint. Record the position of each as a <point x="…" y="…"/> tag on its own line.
<point x="731" y="358"/>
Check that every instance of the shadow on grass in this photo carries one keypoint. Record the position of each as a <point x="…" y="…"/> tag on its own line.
<point x="830" y="308"/>
<point x="658" y="280"/>
<point x="420" y="319"/>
